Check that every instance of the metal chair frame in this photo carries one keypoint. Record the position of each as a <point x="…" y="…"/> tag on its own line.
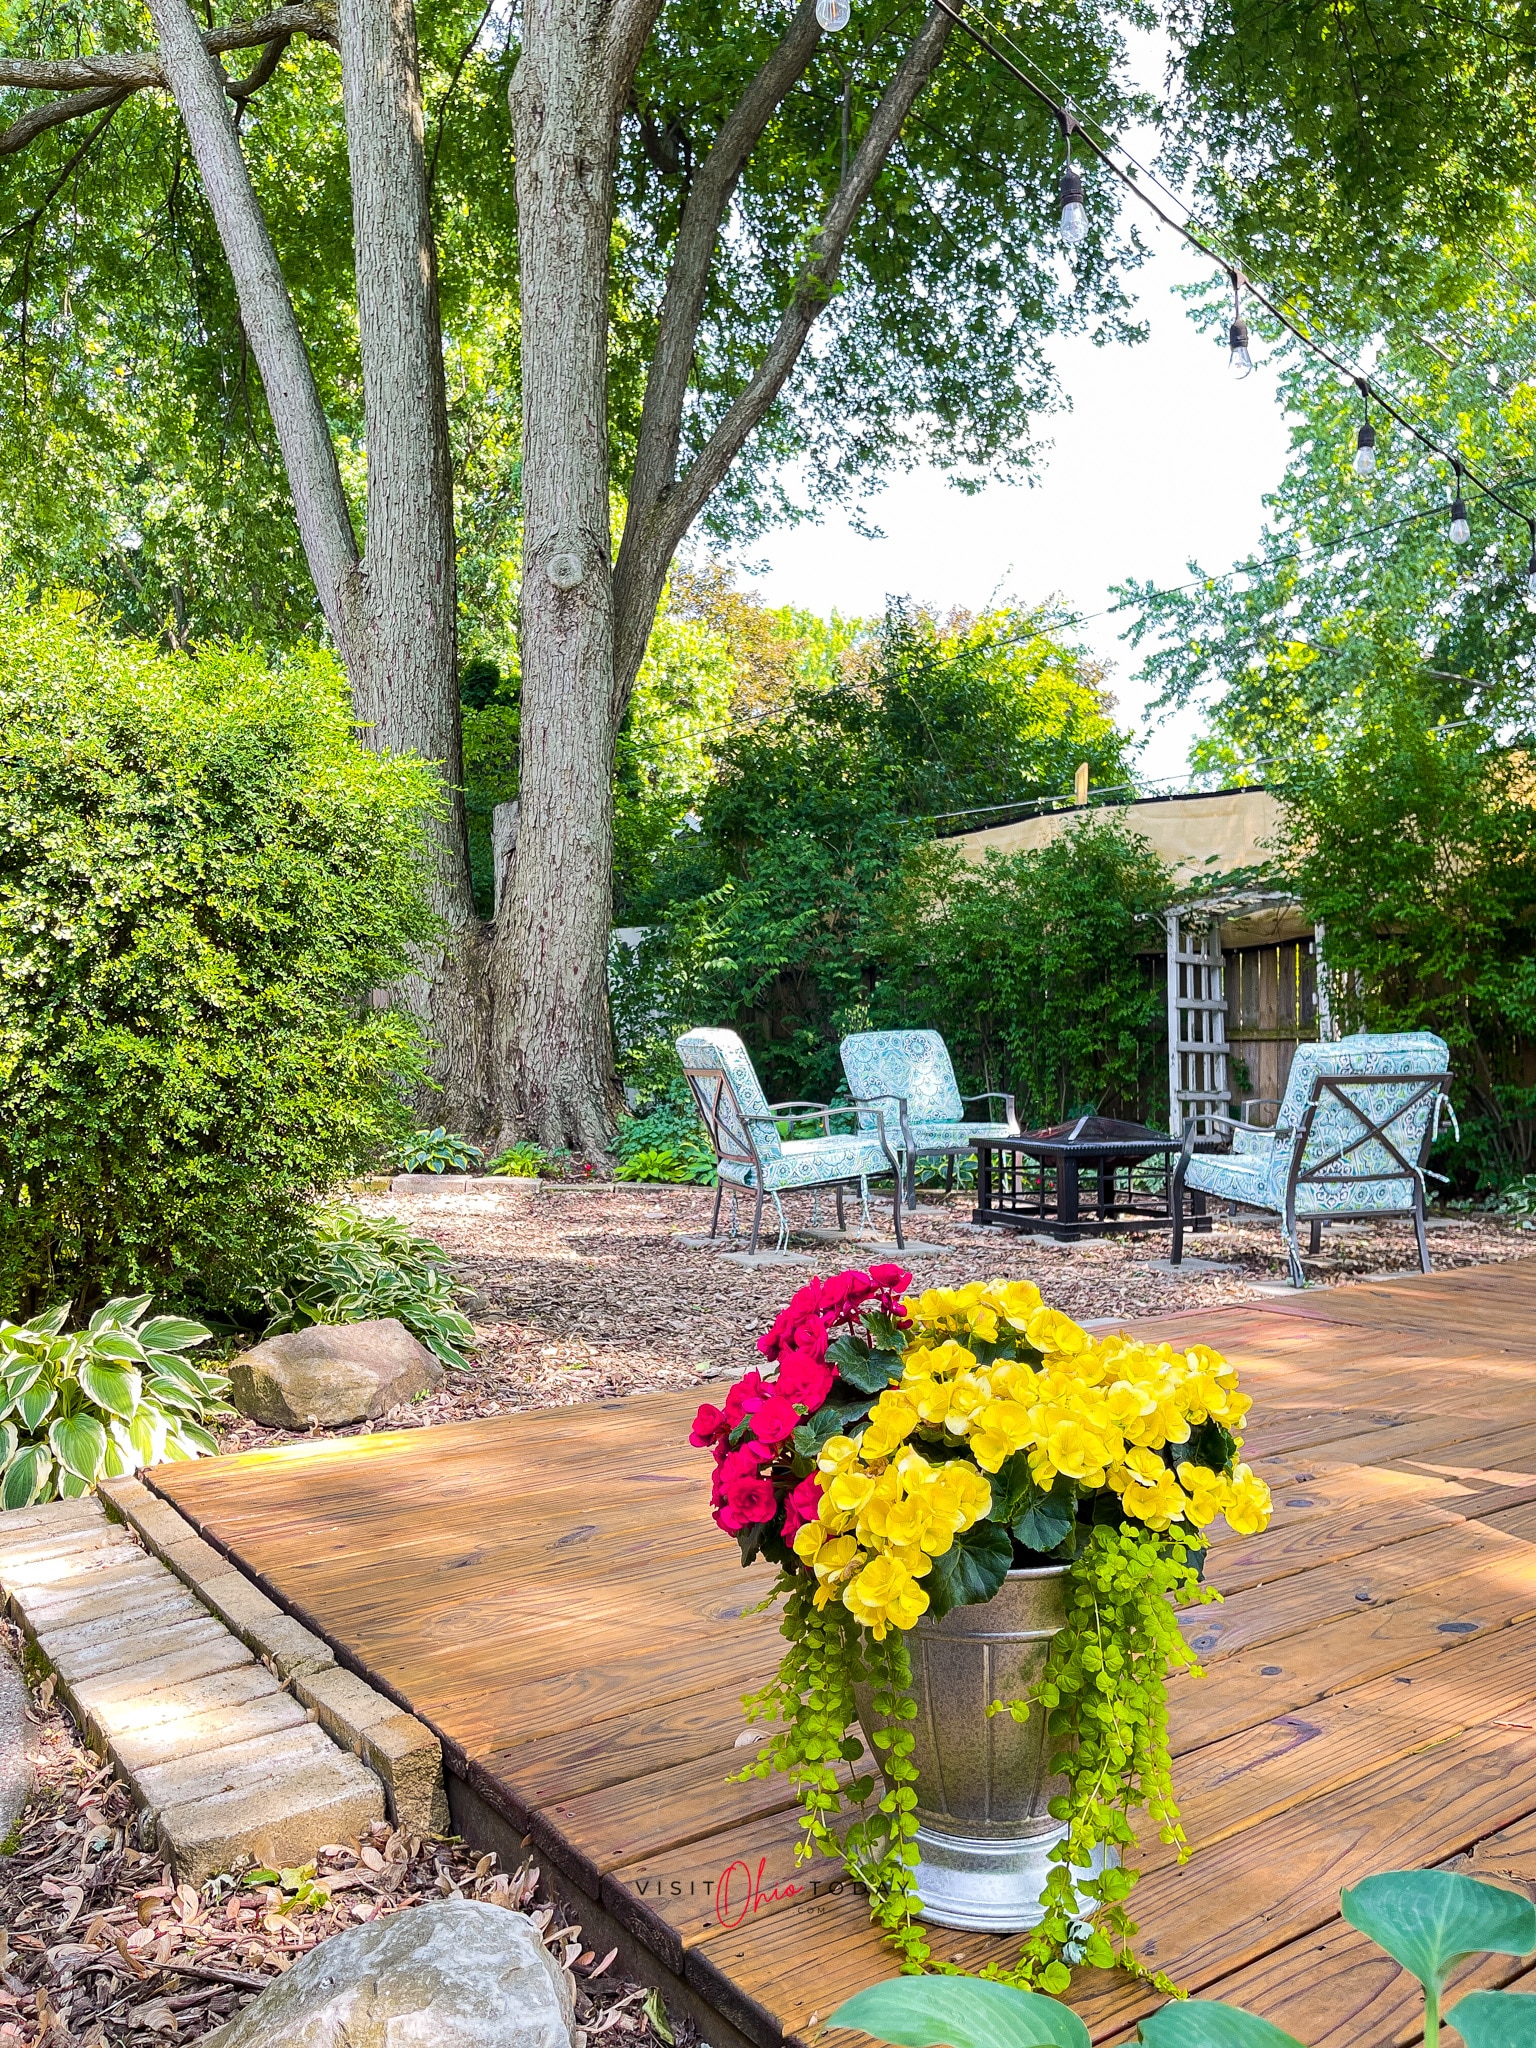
<point x="910" y="1150"/>
<point x="709" y="1085"/>
<point x="1339" y="1086"/>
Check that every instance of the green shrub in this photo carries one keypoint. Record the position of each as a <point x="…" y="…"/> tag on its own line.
<point x="437" y="1151"/>
<point x="667" y="1142"/>
<point x="522" y="1161"/>
<point x="348" y="1268"/>
<point x="85" y="1405"/>
<point x="203" y="880"/>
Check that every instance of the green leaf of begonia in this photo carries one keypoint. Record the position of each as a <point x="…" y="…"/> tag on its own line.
<point x="832" y="1418"/>
<point x="26" y="1477"/>
<point x="971" y="1570"/>
<point x="1046" y="1520"/>
<point x="79" y="1442"/>
<point x="859" y="1366"/>
<point x="961" y="2012"/>
<point x="1495" y="2019"/>
<point x="1207" y="2023"/>
<point x="113" y="1387"/>
<point x="1427" y="1920"/>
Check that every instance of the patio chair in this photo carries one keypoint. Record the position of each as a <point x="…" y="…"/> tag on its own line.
<point x="912" y="1070"/>
<point x="1353" y="1132"/>
<point x="750" y="1153"/>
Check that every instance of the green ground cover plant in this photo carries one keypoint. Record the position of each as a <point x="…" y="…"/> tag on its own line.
<point x="349" y="1268"/>
<point x="203" y="880"/>
<point x="79" y="1406"/>
<point x="437" y="1151"/>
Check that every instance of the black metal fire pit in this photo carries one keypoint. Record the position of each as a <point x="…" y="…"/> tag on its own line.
<point x="1034" y="1181"/>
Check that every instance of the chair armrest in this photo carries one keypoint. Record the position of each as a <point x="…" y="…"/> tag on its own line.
<point x="1010" y="1113"/>
<point x="796" y="1112"/>
<point x="869" y="1101"/>
<point x="1257" y="1102"/>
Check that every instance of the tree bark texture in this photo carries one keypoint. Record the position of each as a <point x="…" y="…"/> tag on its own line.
<point x="405" y="685"/>
<point x="553" y="1042"/>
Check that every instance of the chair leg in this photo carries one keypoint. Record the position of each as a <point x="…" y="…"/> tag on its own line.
<point x="1292" y="1257"/>
<point x="949" y="1173"/>
<point x="901" y="1242"/>
<point x="714" y="1221"/>
<point x="1176" y="1254"/>
<point x="840" y="1223"/>
<point x="757" y="1224"/>
<point x="911" y="1180"/>
<point x="1421" y="1234"/>
<point x="1315" y="1237"/>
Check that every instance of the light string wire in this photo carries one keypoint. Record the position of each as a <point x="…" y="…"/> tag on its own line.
<point x="1072" y="123"/>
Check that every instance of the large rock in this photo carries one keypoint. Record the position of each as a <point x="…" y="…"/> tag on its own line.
<point x="454" y="1974"/>
<point x="332" y="1372"/>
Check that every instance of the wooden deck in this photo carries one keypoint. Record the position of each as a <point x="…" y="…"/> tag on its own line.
<point x="548" y="1592"/>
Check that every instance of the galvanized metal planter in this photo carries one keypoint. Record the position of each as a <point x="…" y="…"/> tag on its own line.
<point x="984" y="1786"/>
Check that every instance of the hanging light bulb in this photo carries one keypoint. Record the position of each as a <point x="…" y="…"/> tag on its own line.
<point x="834" y="14"/>
<point x="1461" y="525"/>
<point x="1365" y="439"/>
<point x="1238" y="357"/>
<point x="1074" y="215"/>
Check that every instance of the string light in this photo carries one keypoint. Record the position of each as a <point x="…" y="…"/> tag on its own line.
<point x="1238" y="357"/>
<point x="1074" y="229"/>
<point x="1074" y="215"/>
<point x="834" y="14"/>
<point x="1365" y="439"/>
<point x="1461" y="525"/>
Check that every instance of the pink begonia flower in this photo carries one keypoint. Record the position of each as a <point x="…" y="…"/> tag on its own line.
<point x="709" y="1425"/>
<point x="743" y="1397"/>
<point x="802" y="1505"/>
<point x="746" y="1500"/>
<point x="774" y="1421"/>
<point x="804" y="1380"/>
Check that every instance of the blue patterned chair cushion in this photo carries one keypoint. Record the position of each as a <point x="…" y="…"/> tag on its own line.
<point x="724" y="1050"/>
<point x="913" y="1064"/>
<point x="813" y="1162"/>
<point x="948" y="1137"/>
<point x="1256" y="1170"/>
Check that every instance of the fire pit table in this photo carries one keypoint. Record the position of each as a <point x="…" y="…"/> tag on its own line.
<point x="1034" y="1180"/>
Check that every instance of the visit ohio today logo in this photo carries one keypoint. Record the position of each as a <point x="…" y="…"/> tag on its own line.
<point x="735" y="1894"/>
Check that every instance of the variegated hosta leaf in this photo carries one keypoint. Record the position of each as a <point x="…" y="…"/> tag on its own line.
<point x="28" y="1477"/>
<point x="113" y="1387"/>
<point x="146" y="1433"/>
<point x="51" y="1321"/>
<point x="172" y="1333"/>
<point x="120" y="1313"/>
<point x="118" y="1347"/>
<point x="10" y="1440"/>
<point x="35" y="1406"/>
<point x="120" y="1462"/>
<point x="72" y="1486"/>
<point x="79" y="1442"/>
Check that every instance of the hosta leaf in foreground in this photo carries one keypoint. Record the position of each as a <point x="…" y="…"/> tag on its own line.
<point x="1207" y="2023"/>
<point x="1495" y="2019"/>
<point x="961" y="2012"/>
<point x="1427" y="1920"/>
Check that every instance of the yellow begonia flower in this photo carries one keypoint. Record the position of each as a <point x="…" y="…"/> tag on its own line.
<point x="837" y="1454"/>
<point x="850" y="1491"/>
<point x="1012" y="1380"/>
<point x="891" y="1422"/>
<point x="1052" y="1332"/>
<point x="1208" y="1494"/>
<point x="884" y="1592"/>
<point x="1001" y="1428"/>
<point x="964" y="1493"/>
<point x="1248" y="1502"/>
<point x="1158" y="1504"/>
<point x="1015" y="1301"/>
<point x="933" y="1361"/>
<point x="1077" y="1452"/>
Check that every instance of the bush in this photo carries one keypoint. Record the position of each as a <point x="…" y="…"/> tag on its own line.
<point x="522" y="1161"/>
<point x="101" y="1402"/>
<point x="437" y="1151"/>
<point x="203" y="880"/>
<point x="348" y="1268"/>
<point x="667" y="1143"/>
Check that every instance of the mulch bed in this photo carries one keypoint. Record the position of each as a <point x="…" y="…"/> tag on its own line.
<point x="100" y="1947"/>
<point x="582" y="1293"/>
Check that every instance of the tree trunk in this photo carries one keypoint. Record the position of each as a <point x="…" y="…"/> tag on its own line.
<point x="553" y="1043"/>
<point x="405" y="686"/>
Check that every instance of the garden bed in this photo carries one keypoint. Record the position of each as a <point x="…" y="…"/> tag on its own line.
<point x="584" y="1294"/>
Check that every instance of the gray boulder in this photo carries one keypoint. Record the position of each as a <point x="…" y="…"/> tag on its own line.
<point x="332" y="1372"/>
<point x="458" y="1973"/>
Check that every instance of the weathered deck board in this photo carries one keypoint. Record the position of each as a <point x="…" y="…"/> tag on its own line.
<point x="548" y="1592"/>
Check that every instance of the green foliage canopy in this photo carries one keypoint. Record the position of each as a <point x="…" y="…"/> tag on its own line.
<point x="203" y="880"/>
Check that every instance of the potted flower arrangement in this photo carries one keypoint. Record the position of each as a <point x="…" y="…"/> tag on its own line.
<point x="983" y="1517"/>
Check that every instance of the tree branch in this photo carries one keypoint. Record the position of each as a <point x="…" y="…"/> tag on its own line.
<point x="661" y="514"/>
<point x="266" y="313"/>
<point x="100" y="81"/>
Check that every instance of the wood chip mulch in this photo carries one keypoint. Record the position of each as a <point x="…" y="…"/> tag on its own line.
<point x="100" y="1947"/>
<point x="584" y="1293"/>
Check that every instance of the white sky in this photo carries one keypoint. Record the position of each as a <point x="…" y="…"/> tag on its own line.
<point x="1165" y="456"/>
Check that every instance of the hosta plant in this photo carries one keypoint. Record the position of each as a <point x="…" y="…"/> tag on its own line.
<point x="437" y="1151"/>
<point x="349" y="1268"/>
<point x="1427" y="1920"/>
<point x="522" y="1161"/>
<point x="80" y="1406"/>
<point x="682" y="1162"/>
